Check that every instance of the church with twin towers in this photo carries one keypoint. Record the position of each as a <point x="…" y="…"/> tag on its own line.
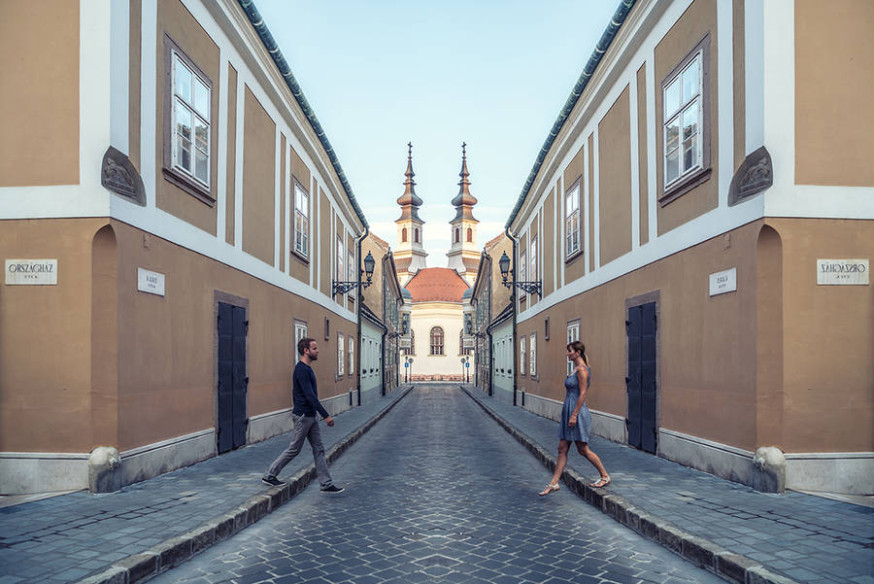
<point x="437" y="295"/>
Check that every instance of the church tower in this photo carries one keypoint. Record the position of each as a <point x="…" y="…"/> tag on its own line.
<point x="410" y="252"/>
<point x="464" y="255"/>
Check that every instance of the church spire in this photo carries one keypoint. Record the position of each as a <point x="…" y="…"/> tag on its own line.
<point x="410" y="201"/>
<point x="463" y="201"/>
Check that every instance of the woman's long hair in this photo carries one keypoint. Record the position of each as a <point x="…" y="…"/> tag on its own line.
<point x="580" y="348"/>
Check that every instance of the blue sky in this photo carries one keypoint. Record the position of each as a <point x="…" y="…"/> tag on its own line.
<point x="382" y="73"/>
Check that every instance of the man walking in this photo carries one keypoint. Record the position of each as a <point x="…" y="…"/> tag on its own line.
<point x="306" y="425"/>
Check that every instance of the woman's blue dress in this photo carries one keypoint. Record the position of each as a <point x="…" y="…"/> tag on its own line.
<point x="580" y="432"/>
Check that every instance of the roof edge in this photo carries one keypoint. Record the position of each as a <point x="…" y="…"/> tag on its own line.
<point x="272" y="47"/>
<point x="604" y="43"/>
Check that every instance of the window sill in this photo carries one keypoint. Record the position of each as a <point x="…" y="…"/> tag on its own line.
<point x="573" y="257"/>
<point x="680" y="188"/>
<point x="190" y="186"/>
<point x="299" y="257"/>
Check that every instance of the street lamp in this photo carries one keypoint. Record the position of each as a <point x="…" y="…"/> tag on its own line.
<point x="534" y="287"/>
<point x="344" y="287"/>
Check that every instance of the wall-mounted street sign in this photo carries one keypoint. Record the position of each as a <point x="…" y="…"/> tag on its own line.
<point x="723" y="282"/>
<point x="404" y="342"/>
<point x="32" y="272"/>
<point x="150" y="282"/>
<point x="468" y="342"/>
<point x="842" y="272"/>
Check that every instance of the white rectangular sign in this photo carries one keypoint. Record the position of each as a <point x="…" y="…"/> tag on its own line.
<point x="842" y="272"/>
<point x="468" y="343"/>
<point x="150" y="282"/>
<point x="32" y="272"/>
<point x="404" y="342"/>
<point x="723" y="282"/>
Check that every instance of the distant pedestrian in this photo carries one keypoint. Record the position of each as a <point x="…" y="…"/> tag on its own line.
<point x="306" y="425"/>
<point x="576" y="420"/>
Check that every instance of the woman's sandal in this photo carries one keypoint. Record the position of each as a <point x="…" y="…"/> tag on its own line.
<point x="601" y="483"/>
<point x="550" y="488"/>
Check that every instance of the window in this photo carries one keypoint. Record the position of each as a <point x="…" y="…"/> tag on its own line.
<point x="300" y="332"/>
<point x="457" y="235"/>
<point x="351" y="356"/>
<point x="533" y="255"/>
<point x="351" y="269"/>
<point x="532" y="361"/>
<point x="404" y="234"/>
<point x="436" y="341"/>
<point x="461" y="350"/>
<point x="523" y="264"/>
<point x="522" y="354"/>
<point x="469" y="235"/>
<point x="340" y="354"/>
<point x="187" y="127"/>
<point x="301" y="221"/>
<point x="412" y="350"/>
<point x="573" y="334"/>
<point x="685" y="124"/>
<point x="341" y="270"/>
<point x="572" y="221"/>
<point x="416" y="233"/>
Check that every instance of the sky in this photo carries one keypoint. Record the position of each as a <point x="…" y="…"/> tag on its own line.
<point x="491" y="73"/>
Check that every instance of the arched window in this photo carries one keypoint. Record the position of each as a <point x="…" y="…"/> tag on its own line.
<point x="436" y="341"/>
<point x="457" y="235"/>
<point x="416" y="233"/>
<point x="404" y="234"/>
<point x="412" y="350"/>
<point x="469" y="235"/>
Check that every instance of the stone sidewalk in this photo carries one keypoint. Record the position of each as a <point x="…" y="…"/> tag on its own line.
<point x="730" y="529"/>
<point x="130" y="535"/>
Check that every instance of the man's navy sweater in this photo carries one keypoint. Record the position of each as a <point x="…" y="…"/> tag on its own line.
<point x="304" y="392"/>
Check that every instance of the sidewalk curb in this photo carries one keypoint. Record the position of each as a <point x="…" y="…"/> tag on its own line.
<point x="697" y="550"/>
<point x="179" y="549"/>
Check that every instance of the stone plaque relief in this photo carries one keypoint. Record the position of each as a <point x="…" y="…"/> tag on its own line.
<point x="723" y="282"/>
<point x="150" y="282"/>
<point x="842" y="272"/>
<point x="31" y="272"/>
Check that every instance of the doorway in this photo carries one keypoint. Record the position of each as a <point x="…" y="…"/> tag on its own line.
<point x="641" y="328"/>
<point x="232" y="380"/>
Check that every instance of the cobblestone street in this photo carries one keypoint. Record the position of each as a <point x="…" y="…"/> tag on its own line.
<point x="437" y="492"/>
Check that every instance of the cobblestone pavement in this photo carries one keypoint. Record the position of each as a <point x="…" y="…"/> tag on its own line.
<point x="437" y="492"/>
<point x="807" y="538"/>
<point x="65" y="538"/>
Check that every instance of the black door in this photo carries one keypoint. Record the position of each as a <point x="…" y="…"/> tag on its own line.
<point x="641" y="380"/>
<point x="232" y="380"/>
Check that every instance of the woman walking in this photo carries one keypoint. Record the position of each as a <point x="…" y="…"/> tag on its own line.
<point x="576" y="420"/>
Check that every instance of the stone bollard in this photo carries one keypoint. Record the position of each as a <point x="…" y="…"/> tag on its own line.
<point x="769" y="470"/>
<point x="104" y="470"/>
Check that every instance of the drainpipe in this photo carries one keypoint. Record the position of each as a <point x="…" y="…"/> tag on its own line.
<point x="358" y="304"/>
<point x="513" y="301"/>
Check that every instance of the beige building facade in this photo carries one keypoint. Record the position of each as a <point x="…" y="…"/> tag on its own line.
<point x="172" y="221"/>
<point x="702" y="218"/>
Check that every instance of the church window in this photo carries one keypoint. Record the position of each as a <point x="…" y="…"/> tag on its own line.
<point x="457" y="235"/>
<point x="436" y="341"/>
<point x="416" y="234"/>
<point x="469" y="235"/>
<point x="412" y="350"/>
<point x="404" y="235"/>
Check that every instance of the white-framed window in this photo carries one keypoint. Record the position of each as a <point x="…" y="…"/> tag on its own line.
<point x="351" y="356"/>
<point x="523" y="352"/>
<point x="683" y="115"/>
<point x="300" y="332"/>
<point x="522" y="276"/>
<point x="301" y="221"/>
<point x="340" y="354"/>
<point x="532" y="258"/>
<point x="341" y="264"/>
<point x="573" y="334"/>
<point x="532" y="358"/>
<point x="572" y="221"/>
<point x="190" y="121"/>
